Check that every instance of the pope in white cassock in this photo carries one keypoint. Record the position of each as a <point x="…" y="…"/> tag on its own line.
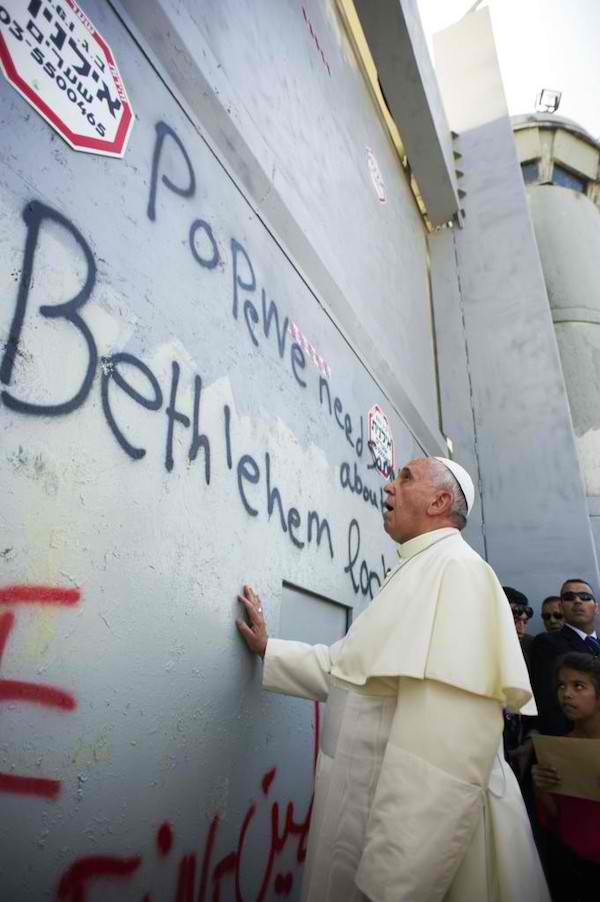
<point x="413" y="799"/>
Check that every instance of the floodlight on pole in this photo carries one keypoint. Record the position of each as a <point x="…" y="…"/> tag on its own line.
<point x="547" y="101"/>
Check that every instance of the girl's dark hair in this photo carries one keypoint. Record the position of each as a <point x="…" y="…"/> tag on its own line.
<point x="584" y="663"/>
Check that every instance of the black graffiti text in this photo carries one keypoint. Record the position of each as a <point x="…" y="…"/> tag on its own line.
<point x="362" y="577"/>
<point x="351" y="479"/>
<point x="259" y="492"/>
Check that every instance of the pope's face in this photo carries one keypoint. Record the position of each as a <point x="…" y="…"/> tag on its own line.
<point x="407" y="501"/>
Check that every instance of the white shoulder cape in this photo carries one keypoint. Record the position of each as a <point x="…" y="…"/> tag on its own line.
<point x="442" y="615"/>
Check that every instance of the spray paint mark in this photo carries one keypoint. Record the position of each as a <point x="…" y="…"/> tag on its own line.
<point x="74" y="882"/>
<point x="39" y="595"/>
<point x="164" y="838"/>
<point x="215" y="879"/>
<point x="30" y="786"/>
<point x="32" y="693"/>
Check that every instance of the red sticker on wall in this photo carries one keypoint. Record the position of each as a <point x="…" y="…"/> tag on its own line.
<point x="381" y="441"/>
<point x="54" y="57"/>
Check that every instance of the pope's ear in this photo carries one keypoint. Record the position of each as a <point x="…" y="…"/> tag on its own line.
<point x="441" y="504"/>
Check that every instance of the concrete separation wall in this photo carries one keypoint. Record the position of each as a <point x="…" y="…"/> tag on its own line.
<point x="536" y="526"/>
<point x="456" y="388"/>
<point x="178" y="414"/>
<point x="299" y="133"/>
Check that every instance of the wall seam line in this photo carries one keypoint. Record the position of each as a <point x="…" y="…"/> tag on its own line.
<point x="471" y="398"/>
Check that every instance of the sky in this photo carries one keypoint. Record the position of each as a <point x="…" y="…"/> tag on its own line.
<point x="541" y="44"/>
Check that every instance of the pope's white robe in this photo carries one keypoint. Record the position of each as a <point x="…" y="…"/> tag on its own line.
<point x="413" y="799"/>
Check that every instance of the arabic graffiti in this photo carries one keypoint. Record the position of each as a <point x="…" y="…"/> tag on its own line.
<point x="214" y="877"/>
<point x="211" y="877"/>
<point x="206" y="872"/>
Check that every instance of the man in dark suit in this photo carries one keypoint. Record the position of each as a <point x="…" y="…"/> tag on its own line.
<point x="579" y="609"/>
<point x="552" y="614"/>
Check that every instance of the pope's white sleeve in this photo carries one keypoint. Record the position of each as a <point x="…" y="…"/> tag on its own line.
<point x="430" y="792"/>
<point x="295" y="668"/>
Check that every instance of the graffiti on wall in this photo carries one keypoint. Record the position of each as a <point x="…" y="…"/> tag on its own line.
<point x="315" y="38"/>
<point x="80" y="876"/>
<point x="199" y="874"/>
<point x="19" y="691"/>
<point x="199" y="878"/>
<point x="296" y="333"/>
<point x="261" y="320"/>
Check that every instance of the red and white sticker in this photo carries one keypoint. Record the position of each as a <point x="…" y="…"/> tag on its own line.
<point x="381" y="441"/>
<point x="54" y="57"/>
<point x="376" y="176"/>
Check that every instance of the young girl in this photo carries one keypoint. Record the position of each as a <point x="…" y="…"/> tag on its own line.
<point x="573" y="823"/>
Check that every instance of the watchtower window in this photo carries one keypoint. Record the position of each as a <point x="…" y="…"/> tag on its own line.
<point x="562" y="176"/>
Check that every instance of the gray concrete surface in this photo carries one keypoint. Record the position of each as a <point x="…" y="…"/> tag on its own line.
<point x="295" y="126"/>
<point x="395" y="36"/>
<point x="536" y="522"/>
<point x="206" y="449"/>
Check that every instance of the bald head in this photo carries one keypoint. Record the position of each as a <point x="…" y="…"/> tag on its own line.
<point x="423" y="497"/>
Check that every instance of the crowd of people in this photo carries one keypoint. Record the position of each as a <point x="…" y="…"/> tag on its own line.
<point x="564" y="667"/>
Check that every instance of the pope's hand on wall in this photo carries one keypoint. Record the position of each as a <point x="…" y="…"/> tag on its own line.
<point x="254" y="632"/>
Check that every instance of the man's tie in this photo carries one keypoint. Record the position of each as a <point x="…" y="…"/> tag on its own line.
<point x="592" y="644"/>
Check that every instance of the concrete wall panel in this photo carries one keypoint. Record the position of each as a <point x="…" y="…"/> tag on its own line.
<point x="567" y="230"/>
<point x="296" y="120"/>
<point x="198" y="456"/>
<point x="456" y="389"/>
<point x="579" y="346"/>
<point x="397" y="42"/>
<point x="532" y="488"/>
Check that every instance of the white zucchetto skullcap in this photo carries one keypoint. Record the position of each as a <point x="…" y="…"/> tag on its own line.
<point x="463" y="479"/>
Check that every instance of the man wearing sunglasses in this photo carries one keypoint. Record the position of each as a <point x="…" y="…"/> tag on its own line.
<point x="552" y="614"/>
<point x="579" y="609"/>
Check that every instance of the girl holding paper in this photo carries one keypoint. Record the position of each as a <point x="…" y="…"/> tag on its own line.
<point x="573" y="822"/>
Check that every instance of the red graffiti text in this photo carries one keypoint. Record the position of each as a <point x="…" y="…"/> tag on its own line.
<point x="32" y="693"/>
